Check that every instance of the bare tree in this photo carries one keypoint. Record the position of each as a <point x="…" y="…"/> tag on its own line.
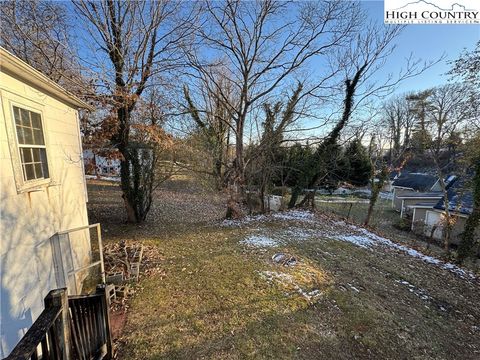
<point x="138" y="40"/>
<point x="264" y="159"/>
<point x="38" y="32"/>
<point x="400" y="121"/>
<point x="446" y="105"/>
<point x="263" y="44"/>
<point x="365" y="56"/>
<point x="213" y="123"/>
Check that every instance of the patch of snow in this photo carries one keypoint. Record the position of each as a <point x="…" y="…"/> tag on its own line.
<point x="296" y="233"/>
<point x="243" y="221"/>
<point x="370" y="239"/>
<point x="421" y="293"/>
<point x="107" y="178"/>
<point x="358" y="240"/>
<point x="353" y="287"/>
<point x="297" y="215"/>
<point x="259" y="241"/>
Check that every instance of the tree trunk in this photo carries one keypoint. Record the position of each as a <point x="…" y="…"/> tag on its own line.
<point x="293" y="199"/>
<point x="373" y="201"/>
<point x="376" y="188"/>
<point x="309" y="200"/>
<point x="132" y="216"/>
<point x="234" y="204"/>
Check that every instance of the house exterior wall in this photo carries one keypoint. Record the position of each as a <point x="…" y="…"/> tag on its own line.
<point x="434" y="217"/>
<point x="410" y="202"/>
<point x="100" y="165"/>
<point x="31" y="216"/>
<point x="397" y="203"/>
<point x="418" y="220"/>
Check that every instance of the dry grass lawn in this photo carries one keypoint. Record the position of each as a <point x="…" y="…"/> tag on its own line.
<point x="222" y="297"/>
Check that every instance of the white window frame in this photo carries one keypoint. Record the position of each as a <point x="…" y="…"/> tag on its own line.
<point x="31" y="146"/>
<point x="9" y="100"/>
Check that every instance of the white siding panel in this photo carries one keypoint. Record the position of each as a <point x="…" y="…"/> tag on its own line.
<point x="29" y="219"/>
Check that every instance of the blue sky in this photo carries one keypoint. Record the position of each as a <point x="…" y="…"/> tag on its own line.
<point x="427" y="42"/>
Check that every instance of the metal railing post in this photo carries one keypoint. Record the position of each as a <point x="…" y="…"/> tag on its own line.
<point x="100" y="248"/>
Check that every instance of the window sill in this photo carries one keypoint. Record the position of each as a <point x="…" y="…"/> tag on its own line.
<point x="36" y="186"/>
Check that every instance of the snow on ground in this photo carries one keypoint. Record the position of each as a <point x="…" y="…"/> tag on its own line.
<point x="107" y="178"/>
<point x="297" y="233"/>
<point x="296" y="215"/>
<point x="244" y="221"/>
<point x="342" y="201"/>
<point x="359" y="240"/>
<point x="422" y="294"/>
<point x="417" y="254"/>
<point x="259" y="241"/>
<point x="353" y="287"/>
<point x="342" y="231"/>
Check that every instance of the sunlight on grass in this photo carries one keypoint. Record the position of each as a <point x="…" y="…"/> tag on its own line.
<point x="214" y="293"/>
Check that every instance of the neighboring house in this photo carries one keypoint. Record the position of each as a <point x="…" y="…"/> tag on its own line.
<point x="408" y="183"/>
<point x="99" y="165"/>
<point x="410" y="199"/>
<point x="417" y="215"/>
<point x="43" y="192"/>
<point x="460" y="205"/>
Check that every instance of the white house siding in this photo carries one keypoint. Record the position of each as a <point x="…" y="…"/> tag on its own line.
<point x="100" y="165"/>
<point x="409" y="202"/>
<point x="30" y="218"/>
<point x="433" y="217"/>
<point x="418" y="220"/>
<point x="396" y="202"/>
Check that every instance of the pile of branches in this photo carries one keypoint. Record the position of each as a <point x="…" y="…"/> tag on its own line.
<point x="118" y="258"/>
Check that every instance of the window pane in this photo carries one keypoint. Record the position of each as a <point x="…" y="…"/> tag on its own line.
<point x="25" y="118"/>
<point x="38" y="171"/>
<point x="34" y="163"/>
<point x="29" y="172"/>
<point x="38" y="137"/>
<point x="28" y="134"/>
<point x="21" y="138"/>
<point x="36" y="155"/>
<point x="16" y="115"/>
<point x="26" y="155"/>
<point x="43" y="157"/>
<point x="29" y="127"/>
<point x="36" y="122"/>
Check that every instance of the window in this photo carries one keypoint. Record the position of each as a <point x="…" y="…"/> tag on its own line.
<point x="31" y="143"/>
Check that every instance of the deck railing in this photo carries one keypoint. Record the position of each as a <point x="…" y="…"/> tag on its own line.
<point x="65" y="269"/>
<point x="76" y="327"/>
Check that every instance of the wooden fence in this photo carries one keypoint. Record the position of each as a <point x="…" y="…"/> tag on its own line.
<point x="76" y="327"/>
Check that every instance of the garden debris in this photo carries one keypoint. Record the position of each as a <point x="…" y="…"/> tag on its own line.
<point x="284" y="259"/>
<point x="127" y="260"/>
